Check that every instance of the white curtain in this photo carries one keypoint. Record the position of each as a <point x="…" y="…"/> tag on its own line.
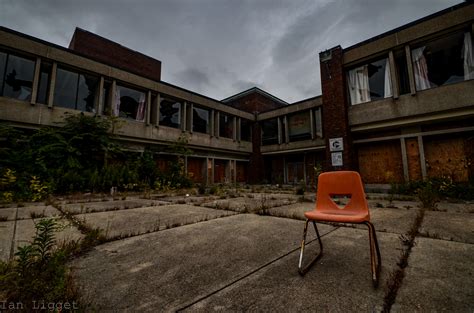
<point x="420" y="69"/>
<point x="141" y="108"/>
<point x="359" y="84"/>
<point x="116" y="104"/>
<point x="467" y="56"/>
<point x="387" y="81"/>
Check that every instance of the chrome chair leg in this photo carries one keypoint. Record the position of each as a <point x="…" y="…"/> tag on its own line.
<point x="303" y="270"/>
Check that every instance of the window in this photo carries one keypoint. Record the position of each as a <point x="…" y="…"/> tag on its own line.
<point x="245" y="130"/>
<point x="402" y="72"/>
<point x="299" y="126"/>
<point x="43" y="87"/>
<point x="129" y="103"/>
<point x="16" y="76"/>
<point x="200" y="120"/>
<point x="170" y="113"/>
<point x="370" y="82"/>
<point x="104" y="101"/>
<point x="319" y="122"/>
<point x="270" y="132"/>
<point x="226" y="126"/>
<point x="443" y="61"/>
<point x="75" y="91"/>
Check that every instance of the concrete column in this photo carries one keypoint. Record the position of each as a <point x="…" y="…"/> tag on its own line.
<point x="393" y="75"/>
<point x="239" y="129"/>
<point x="311" y="120"/>
<point x="287" y="135"/>
<point x="411" y="76"/>
<point x="404" y="159"/>
<point x="279" y="130"/>
<point x="157" y="104"/>
<point x="52" y="85"/>
<point x="148" y="108"/>
<point x="100" y="96"/>
<point x="319" y="122"/>
<point x="422" y="157"/>
<point x="36" y="79"/>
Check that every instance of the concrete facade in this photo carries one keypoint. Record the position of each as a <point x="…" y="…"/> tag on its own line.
<point x="253" y="136"/>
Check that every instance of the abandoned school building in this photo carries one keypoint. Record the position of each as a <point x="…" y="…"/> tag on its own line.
<point x="396" y="107"/>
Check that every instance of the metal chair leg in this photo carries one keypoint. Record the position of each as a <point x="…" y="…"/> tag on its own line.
<point x="375" y="259"/>
<point x="304" y="270"/>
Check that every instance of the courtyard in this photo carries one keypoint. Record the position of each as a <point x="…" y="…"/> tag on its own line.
<point x="239" y="250"/>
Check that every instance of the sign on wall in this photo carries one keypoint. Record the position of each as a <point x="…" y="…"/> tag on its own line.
<point x="336" y="144"/>
<point x="336" y="158"/>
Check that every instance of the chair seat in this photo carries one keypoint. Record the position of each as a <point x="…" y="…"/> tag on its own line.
<point x="339" y="216"/>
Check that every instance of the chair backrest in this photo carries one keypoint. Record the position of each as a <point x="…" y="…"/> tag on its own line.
<point x="341" y="183"/>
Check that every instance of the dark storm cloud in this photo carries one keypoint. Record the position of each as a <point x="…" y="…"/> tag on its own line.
<point x="222" y="47"/>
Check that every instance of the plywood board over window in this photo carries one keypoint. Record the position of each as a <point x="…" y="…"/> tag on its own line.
<point x="448" y="157"/>
<point x="381" y="163"/>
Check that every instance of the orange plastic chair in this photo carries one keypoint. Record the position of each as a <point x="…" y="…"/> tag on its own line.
<point x="356" y="211"/>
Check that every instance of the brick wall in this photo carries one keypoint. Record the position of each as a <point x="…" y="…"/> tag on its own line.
<point x="196" y="169"/>
<point x="335" y="106"/>
<point x="114" y="54"/>
<point x="413" y="158"/>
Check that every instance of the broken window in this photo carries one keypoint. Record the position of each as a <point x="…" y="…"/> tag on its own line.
<point x="16" y="76"/>
<point x="129" y="103"/>
<point x="170" y="113"/>
<point x="200" y="120"/>
<point x="105" y="100"/>
<point x="44" y="82"/>
<point x="270" y="132"/>
<point x="226" y="126"/>
<point x="443" y="61"/>
<point x="402" y="72"/>
<point x="370" y="82"/>
<point x="75" y="91"/>
<point x="245" y="130"/>
<point x="299" y="126"/>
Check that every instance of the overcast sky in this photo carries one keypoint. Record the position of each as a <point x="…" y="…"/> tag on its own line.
<point x="221" y="47"/>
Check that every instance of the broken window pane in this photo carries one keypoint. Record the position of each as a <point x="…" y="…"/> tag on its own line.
<point x="86" y="93"/>
<point x="270" y="132"/>
<point x="442" y="61"/>
<point x="65" y="90"/>
<point x="18" y="79"/>
<point x="299" y="126"/>
<point x="129" y="103"/>
<point x="170" y="113"/>
<point x="200" y="120"/>
<point x="226" y="126"/>
<point x="43" y="87"/>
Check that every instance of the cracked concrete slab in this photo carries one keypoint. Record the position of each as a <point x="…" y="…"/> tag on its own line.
<point x="6" y="237"/>
<point x="453" y="226"/>
<point x="169" y="269"/>
<point x="439" y="278"/>
<point x="124" y="223"/>
<point x="102" y="206"/>
<point x="246" y="205"/>
<point x="339" y="282"/>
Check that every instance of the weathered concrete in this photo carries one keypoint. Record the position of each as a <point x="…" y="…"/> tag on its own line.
<point x="295" y="211"/>
<point x="448" y="226"/>
<point x="339" y="282"/>
<point x="252" y="204"/>
<point x="91" y="207"/>
<point x="439" y="278"/>
<point x="169" y="269"/>
<point x="25" y="231"/>
<point x="124" y="223"/>
<point x="466" y="207"/>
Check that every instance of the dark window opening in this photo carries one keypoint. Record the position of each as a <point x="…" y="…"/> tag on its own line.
<point x="226" y="127"/>
<point x="170" y="113"/>
<point x="200" y="120"/>
<point x="299" y="126"/>
<point x="16" y="76"/>
<point x="105" y="100"/>
<point x="75" y="91"/>
<point x="45" y="79"/>
<point x="129" y="103"/>
<point x="270" y="132"/>
<point x="402" y="73"/>
<point x="245" y="130"/>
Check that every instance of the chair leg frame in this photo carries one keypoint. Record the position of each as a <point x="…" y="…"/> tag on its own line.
<point x="303" y="270"/>
<point x="375" y="258"/>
